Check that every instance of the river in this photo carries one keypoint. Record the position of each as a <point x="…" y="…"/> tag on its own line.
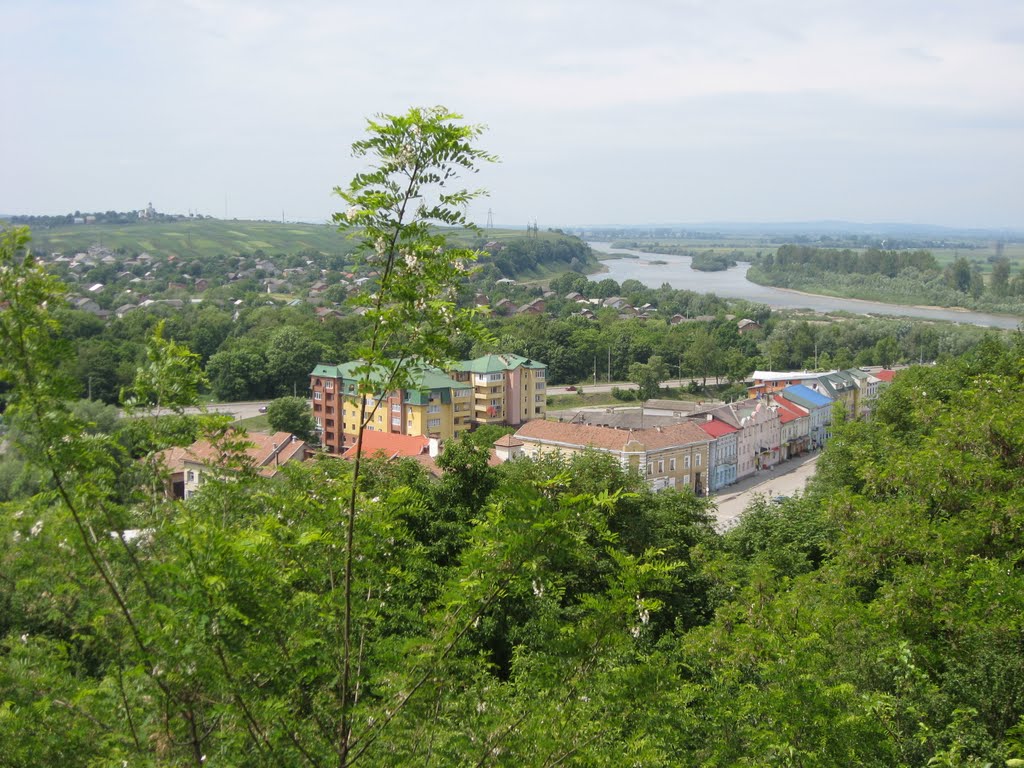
<point x="733" y="284"/>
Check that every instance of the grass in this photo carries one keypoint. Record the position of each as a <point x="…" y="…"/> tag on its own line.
<point x="255" y="424"/>
<point x="195" y="238"/>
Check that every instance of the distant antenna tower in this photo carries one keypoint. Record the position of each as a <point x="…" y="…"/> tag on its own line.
<point x="490" y="219"/>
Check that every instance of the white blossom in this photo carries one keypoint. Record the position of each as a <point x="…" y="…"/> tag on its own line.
<point x="352" y="213"/>
<point x="538" y="589"/>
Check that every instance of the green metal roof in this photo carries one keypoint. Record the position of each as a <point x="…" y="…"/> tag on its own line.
<point x="496" y="363"/>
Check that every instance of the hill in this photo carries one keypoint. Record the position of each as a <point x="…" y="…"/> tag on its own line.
<point x="194" y="238"/>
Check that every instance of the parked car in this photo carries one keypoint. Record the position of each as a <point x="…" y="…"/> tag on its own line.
<point x="570" y="388"/>
<point x="263" y="409"/>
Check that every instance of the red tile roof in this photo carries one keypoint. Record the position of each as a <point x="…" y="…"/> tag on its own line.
<point x="258" y="450"/>
<point x="716" y="428"/>
<point x="885" y="375"/>
<point x="390" y="445"/>
<point x="610" y="439"/>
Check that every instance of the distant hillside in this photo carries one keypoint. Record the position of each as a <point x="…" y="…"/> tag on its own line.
<point x="205" y="238"/>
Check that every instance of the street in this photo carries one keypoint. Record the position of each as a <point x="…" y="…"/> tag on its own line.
<point x="786" y="479"/>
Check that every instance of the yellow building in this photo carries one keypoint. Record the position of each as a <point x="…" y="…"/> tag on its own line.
<point x="437" y="406"/>
<point x="668" y="457"/>
<point x="507" y="389"/>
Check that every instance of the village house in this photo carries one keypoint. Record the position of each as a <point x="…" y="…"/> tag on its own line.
<point x="194" y="465"/>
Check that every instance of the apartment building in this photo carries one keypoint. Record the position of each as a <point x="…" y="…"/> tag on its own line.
<point x="507" y="389"/>
<point x="435" y="406"/>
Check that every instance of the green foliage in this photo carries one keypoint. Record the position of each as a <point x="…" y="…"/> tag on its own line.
<point x="291" y="414"/>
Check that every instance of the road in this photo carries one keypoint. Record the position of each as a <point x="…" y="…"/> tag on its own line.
<point x="239" y="411"/>
<point x="786" y="479"/>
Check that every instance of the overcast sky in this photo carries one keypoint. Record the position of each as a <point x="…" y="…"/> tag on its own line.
<point x="602" y="111"/>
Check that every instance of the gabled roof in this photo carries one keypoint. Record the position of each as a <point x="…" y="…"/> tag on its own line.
<point x="609" y="439"/>
<point x="717" y="428"/>
<point x="786" y="407"/>
<point x="885" y="375"/>
<point x="265" y="453"/>
<point x="390" y="445"/>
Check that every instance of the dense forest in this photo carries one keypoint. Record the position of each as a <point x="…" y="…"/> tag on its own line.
<point x="898" y="276"/>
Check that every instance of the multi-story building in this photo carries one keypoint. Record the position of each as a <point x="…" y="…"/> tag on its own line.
<point x="722" y="452"/>
<point x="668" y="457"/>
<point x="819" y="409"/>
<point x="507" y="389"/>
<point x="435" y="406"/>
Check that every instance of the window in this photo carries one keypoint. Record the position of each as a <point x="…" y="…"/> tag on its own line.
<point x="462" y="393"/>
<point x="650" y="468"/>
<point x="540" y="373"/>
<point x="539" y="385"/>
<point x="433" y="409"/>
<point x="319" y="422"/>
<point x="330" y="422"/>
<point x="538" y="398"/>
<point x="329" y="384"/>
<point x="318" y="395"/>
<point x="672" y="464"/>
<point x="396" y="422"/>
<point x="661" y="466"/>
<point x="434" y="423"/>
<point x="396" y="407"/>
<point x="686" y="461"/>
<point x="191" y="476"/>
<point x="380" y="419"/>
<point x="698" y="459"/>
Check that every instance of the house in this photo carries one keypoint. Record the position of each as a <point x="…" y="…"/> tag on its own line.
<point x="504" y="307"/>
<point x="746" y="326"/>
<point x="535" y="307"/>
<point x="675" y="456"/>
<point x="192" y="466"/>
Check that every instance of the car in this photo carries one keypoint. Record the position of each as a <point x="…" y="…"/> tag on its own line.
<point x="263" y="409"/>
<point x="570" y="388"/>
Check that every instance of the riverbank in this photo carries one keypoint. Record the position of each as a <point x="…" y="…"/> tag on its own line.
<point x="734" y="284"/>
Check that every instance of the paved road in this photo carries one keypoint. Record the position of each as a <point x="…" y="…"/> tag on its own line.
<point x="788" y="478"/>
<point x="238" y="410"/>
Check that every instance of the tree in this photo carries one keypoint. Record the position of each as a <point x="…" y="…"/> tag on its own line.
<point x="648" y="376"/>
<point x="1000" y="285"/>
<point x="291" y="414"/>
<point x="395" y="210"/>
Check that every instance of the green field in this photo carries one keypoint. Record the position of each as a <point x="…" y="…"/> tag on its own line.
<point x="194" y="238"/>
<point x="205" y="238"/>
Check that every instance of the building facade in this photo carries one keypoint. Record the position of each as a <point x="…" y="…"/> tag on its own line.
<point x="436" y="406"/>
<point x="667" y="457"/>
<point x="507" y="389"/>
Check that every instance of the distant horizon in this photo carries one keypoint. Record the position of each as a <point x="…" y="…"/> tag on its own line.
<point x="794" y="227"/>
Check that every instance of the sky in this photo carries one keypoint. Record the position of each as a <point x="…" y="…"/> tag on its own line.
<point x="603" y="112"/>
